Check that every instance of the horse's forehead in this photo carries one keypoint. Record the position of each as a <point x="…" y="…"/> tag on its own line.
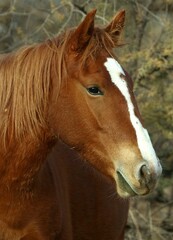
<point x="117" y="74"/>
<point x="115" y="70"/>
<point x="113" y="64"/>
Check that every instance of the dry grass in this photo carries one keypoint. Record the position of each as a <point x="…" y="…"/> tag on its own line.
<point x="151" y="217"/>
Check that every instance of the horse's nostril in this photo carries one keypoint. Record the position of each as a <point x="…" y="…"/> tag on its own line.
<point x="145" y="174"/>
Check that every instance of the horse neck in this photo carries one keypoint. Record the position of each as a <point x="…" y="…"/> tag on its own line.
<point x="20" y="163"/>
<point x="21" y="160"/>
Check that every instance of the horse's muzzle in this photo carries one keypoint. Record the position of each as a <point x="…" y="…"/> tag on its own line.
<point x="141" y="183"/>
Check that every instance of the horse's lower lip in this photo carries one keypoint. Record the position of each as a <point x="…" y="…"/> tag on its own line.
<point x="124" y="185"/>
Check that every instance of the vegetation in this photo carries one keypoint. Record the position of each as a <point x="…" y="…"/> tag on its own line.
<point x="148" y="57"/>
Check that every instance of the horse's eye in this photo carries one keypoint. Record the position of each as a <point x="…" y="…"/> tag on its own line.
<point x="94" y="90"/>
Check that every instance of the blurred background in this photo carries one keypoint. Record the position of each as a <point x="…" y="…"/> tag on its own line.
<point x="147" y="56"/>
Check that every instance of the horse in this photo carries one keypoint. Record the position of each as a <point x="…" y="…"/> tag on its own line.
<point x="73" y="146"/>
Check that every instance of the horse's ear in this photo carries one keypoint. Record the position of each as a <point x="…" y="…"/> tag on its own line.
<point x="83" y="32"/>
<point x="115" y="27"/>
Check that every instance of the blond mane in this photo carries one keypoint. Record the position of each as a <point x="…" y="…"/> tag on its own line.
<point x="24" y="90"/>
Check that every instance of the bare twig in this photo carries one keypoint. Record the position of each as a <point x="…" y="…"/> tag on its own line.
<point x="138" y="234"/>
<point x="161" y="207"/>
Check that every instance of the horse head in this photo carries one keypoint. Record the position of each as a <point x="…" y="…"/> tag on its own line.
<point x="95" y="110"/>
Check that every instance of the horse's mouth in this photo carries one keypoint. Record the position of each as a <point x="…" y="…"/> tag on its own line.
<point x="128" y="190"/>
<point x="125" y="186"/>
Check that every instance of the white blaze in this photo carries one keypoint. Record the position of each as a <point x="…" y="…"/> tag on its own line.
<point x="143" y="139"/>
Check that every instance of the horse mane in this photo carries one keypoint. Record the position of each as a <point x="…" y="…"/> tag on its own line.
<point x="26" y="80"/>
